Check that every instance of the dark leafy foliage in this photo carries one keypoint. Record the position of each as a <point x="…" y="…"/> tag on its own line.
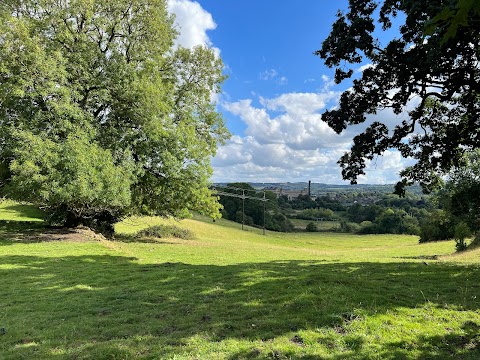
<point x="439" y="68"/>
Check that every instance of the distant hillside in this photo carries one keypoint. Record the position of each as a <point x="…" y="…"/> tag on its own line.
<point x="323" y="189"/>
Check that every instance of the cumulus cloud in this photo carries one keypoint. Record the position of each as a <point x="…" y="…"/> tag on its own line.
<point x="273" y="162"/>
<point x="286" y="140"/>
<point x="299" y="125"/>
<point x="192" y="22"/>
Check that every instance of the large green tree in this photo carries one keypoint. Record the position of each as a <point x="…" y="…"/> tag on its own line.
<point x="434" y="61"/>
<point x="100" y="115"/>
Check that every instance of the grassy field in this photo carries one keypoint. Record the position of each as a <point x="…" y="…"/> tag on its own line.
<point x="301" y="224"/>
<point x="232" y="294"/>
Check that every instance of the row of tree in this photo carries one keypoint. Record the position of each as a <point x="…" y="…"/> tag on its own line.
<point x="259" y="209"/>
<point x="452" y="212"/>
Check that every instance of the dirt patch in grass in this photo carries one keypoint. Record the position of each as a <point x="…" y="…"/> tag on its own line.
<point x="80" y="234"/>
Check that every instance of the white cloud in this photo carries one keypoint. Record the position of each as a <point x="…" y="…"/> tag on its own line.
<point x="193" y="22"/>
<point x="272" y="162"/>
<point x="282" y="80"/>
<point x="298" y="126"/>
<point x="268" y="74"/>
<point x="365" y="67"/>
<point x="286" y="140"/>
<point x="327" y="84"/>
<point x="272" y="74"/>
<point x="384" y="169"/>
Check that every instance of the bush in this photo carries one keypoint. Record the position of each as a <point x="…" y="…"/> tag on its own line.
<point x="367" y="227"/>
<point x="311" y="227"/>
<point x="313" y="214"/>
<point x="461" y="232"/>
<point x="438" y="226"/>
<point x="247" y="219"/>
<point x="166" y="231"/>
<point x="476" y="241"/>
<point x="460" y="245"/>
<point x="279" y="222"/>
<point x="349" y="227"/>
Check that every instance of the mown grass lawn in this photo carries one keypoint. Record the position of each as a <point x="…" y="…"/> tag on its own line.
<point x="232" y="294"/>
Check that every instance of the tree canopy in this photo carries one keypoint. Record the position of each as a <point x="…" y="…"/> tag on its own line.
<point x="461" y="195"/>
<point x="100" y="115"/>
<point x="429" y="75"/>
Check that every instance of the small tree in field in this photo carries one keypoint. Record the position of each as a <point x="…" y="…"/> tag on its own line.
<point x="462" y="231"/>
<point x="100" y="116"/>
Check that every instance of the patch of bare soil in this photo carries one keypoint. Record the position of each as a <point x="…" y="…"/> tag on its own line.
<point x="78" y="234"/>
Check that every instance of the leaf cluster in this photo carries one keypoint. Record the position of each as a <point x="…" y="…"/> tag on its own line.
<point x="429" y="76"/>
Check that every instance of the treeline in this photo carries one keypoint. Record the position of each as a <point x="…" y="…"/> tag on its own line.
<point x="388" y="214"/>
<point x="251" y="211"/>
<point x="451" y="213"/>
<point x="458" y="216"/>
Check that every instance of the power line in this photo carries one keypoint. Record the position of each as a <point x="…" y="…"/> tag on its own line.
<point x="240" y="196"/>
<point x="243" y="197"/>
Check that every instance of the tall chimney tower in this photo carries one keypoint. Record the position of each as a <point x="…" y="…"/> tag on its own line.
<point x="309" y="188"/>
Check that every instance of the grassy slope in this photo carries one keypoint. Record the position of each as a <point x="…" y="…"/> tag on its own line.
<point x="235" y="295"/>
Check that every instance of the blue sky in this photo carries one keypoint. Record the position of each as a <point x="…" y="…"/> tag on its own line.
<point x="276" y="90"/>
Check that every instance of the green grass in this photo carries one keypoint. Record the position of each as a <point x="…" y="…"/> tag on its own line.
<point x="301" y="224"/>
<point x="232" y="294"/>
<point x="12" y="211"/>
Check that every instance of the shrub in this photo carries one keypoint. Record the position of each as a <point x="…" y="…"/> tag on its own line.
<point x="313" y="214"/>
<point x="476" y="241"/>
<point x="166" y="231"/>
<point x="461" y="232"/>
<point x="311" y="227"/>
<point x="438" y="226"/>
<point x="247" y="219"/>
<point x="279" y="222"/>
<point x="349" y="227"/>
<point x="367" y="227"/>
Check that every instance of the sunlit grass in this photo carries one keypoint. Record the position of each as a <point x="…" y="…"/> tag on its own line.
<point x="233" y="294"/>
<point x="13" y="211"/>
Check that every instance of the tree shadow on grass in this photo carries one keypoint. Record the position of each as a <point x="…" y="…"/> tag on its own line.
<point x="25" y="232"/>
<point x="12" y="231"/>
<point x="25" y="211"/>
<point x="103" y="306"/>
